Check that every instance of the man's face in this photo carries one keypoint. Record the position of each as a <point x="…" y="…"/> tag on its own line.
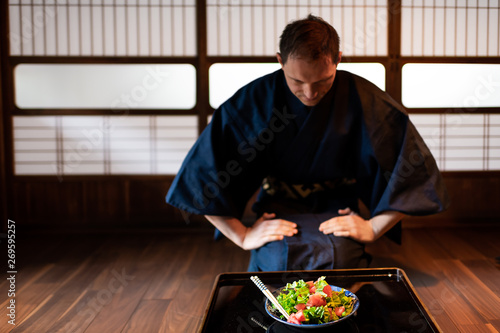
<point x="309" y="80"/>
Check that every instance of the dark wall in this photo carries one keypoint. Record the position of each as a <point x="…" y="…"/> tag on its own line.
<point x="139" y="202"/>
<point x="97" y="203"/>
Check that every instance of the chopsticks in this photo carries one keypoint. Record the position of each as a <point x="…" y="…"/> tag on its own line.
<point x="269" y="295"/>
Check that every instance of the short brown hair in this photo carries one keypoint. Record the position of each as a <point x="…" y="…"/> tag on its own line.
<point x="310" y="38"/>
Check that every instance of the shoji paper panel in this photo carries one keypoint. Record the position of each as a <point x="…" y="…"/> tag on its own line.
<point x="103" y="28"/>
<point x="102" y="145"/>
<point x="450" y="28"/>
<point x="253" y="27"/>
<point x="461" y="141"/>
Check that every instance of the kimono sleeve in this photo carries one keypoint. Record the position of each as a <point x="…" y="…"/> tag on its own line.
<point x="220" y="172"/>
<point x="398" y="170"/>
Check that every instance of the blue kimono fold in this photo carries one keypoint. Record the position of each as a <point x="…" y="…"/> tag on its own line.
<point x="356" y="133"/>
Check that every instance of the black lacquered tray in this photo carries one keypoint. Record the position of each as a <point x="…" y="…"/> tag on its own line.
<point x="388" y="302"/>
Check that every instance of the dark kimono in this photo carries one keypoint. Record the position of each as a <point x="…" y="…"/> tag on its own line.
<point x="356" y="145"/>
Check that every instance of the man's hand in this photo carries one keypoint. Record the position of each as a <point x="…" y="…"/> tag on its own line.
<point x="267" y="229"/>
<point x="349" y="224"/>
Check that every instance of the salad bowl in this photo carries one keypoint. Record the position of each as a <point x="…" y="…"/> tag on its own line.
<point x="274" y="313"/>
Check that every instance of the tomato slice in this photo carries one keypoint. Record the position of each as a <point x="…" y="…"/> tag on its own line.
<point x="300" y="306"/>
<point x="327" y="290"/>
<point x="300" y="316"/>
<point x="339" y="311"/>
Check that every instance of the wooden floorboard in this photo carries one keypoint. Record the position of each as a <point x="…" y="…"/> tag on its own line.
<point x="161" y="281"/>
<point x="148" y="317"/>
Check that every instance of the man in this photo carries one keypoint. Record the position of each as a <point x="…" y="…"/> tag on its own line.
<point x="318" y="141"/>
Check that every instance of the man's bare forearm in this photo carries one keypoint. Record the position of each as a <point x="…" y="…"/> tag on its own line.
<point x="265" y="229"/>
<point x="231" y="227"/>
<point x="385" y="221"/>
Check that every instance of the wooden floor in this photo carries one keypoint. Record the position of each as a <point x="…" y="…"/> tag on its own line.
<point x="161" y="281"/>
